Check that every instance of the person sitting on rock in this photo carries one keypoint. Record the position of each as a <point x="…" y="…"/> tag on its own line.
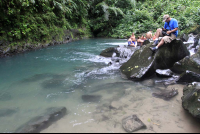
<point x="140" y="40"/>
<point x="132" y="42"/>
<point x="171" y="28"/>
<point x="133" y="36"/>
<point x="143" y="38"/>
<point x="149" y="35"/>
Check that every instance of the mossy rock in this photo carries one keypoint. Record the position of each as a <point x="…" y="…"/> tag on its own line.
<point x="109" y="52"/>
<point x="188" y="77"/>
<point x="191" y="98"/>
<point x="191" y="63"/>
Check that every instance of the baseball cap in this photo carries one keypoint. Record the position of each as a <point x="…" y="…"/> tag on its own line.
<point x="165" y="17"/>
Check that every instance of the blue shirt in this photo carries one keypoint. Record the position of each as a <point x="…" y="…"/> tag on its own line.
<point x="172" y="25"/>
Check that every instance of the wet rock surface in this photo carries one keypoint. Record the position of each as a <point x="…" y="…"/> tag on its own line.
<point x="132" y="123"/>
<point x="189" y="77"/>
<point x="191" y="63"/>
<point x="164" y="73"/>
<point x="166" y="95"/>
<point x="191" y="99"/>
<point x="109" y="52"/>
<point x="37" y="124"/>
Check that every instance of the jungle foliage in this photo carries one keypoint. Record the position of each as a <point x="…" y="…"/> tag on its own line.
<point x="41" y="20"/>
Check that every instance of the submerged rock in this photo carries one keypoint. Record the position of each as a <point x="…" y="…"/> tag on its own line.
<point x="53" y="84"/>
<point x="7" y="112"/>
<point x="39" y="123"/>
<point x="148" y="83"/>
<point x="191" y="99"/>
<point x="166" y="95"/>
<point x="37" y="77"/>
<point x="91" y="98"/>
<point x="132" y="123"/>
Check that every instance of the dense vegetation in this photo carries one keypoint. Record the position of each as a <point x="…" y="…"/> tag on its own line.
<point x="33" y="21"/>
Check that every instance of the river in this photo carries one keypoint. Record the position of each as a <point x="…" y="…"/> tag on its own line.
<point x="58" y="76"/>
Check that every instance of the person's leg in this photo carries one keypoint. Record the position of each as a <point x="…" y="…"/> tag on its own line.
<point x="161" y="43"/>
<point x="165" y="39"/>
<point x="158" y="34"/>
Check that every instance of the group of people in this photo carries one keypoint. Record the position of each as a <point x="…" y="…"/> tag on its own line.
<point x="132" y="41"/>
<point x="168" y="33"/>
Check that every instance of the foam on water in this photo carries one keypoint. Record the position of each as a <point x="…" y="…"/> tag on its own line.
<point x="115" y="44"/>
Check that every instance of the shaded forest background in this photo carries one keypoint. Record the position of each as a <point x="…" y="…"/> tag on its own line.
<point x="33" y="21"/>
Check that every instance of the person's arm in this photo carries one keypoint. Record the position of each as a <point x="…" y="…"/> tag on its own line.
<point x="174" y="30"/>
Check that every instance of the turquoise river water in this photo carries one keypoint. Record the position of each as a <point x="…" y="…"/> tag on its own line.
<point x="58" y="76"/>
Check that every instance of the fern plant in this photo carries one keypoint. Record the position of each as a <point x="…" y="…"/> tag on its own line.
<point x="107" y="9"/>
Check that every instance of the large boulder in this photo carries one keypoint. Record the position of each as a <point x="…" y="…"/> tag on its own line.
<point x="143" y="62"/>
<point x="191" y="98"/>
<point x="191" y="63"/>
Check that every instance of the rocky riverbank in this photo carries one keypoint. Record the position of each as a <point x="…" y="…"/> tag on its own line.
<point x="178" y="57"/>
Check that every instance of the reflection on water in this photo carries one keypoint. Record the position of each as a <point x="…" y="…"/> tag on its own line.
<point x="73" y="75"/>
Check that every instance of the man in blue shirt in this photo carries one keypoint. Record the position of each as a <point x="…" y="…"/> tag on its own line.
<point x="171" y="25"/>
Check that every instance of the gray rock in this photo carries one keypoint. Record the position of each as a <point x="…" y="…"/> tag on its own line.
<point x="149" y="83"/>
<point x="166" y="95"/>
<point x="132" y="123"/>
<point x="109" y="52"/>
<point x="37" y="124"/>
<point x="191" y="99"/>
<point x="184" y="37"/>
<point x="191" y="63"/>
<point x="189" y="77"/>
<point x="164" y="73"/>
<point x="146" y="42"/>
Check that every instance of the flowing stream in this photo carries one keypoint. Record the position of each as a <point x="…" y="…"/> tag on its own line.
<point x="58" y="76"/>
